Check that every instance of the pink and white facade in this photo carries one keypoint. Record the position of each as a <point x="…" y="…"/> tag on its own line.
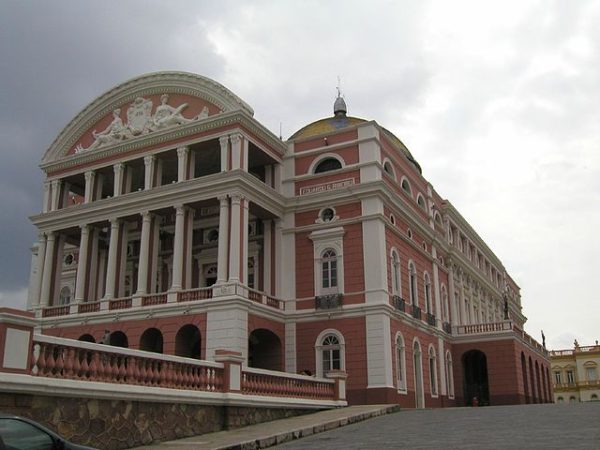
<point x="176" y="221"/>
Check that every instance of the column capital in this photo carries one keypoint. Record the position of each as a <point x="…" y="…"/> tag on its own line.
<point x="149" y="159"/>
<point x="50" y="235"/>
<point x="223" y="199"/>
<point x="236" y="198"/>
<point x="179" y="209"/>
<point x="235" y="138"/>
<point x="41" y="236"/>
<point x="56" y="182"/>
<point x="182" y="151"/>
<point x="118" y="167"/>
<point x="47" y="184"/>
<point x="224" y="140"/>
<point x="85" y="228"/>
<point x="89" y="174"/>
<point x="114" y="222"/>
<point x="146" y="215"/>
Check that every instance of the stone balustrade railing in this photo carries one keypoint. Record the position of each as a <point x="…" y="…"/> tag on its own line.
<point x="478" y="328"/>
<point x="266" y="382"/>
<point x="67" y="359"/>
<point x="149" y="300"/>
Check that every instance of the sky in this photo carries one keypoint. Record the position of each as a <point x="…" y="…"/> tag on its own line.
<point x="498" y="101"/>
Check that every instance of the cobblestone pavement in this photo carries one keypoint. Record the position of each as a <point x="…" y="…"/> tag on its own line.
<point x="550" y="426"/>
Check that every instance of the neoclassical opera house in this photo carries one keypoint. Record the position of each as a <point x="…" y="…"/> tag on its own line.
<point x="175" y="222"/>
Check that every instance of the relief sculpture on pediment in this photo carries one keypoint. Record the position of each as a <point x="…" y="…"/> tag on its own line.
<point x="140" y="121"/>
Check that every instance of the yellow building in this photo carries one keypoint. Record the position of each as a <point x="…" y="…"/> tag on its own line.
<point x="575" y="374"/>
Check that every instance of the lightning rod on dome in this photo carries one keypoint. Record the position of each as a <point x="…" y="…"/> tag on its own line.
<point x="339" y="106"/>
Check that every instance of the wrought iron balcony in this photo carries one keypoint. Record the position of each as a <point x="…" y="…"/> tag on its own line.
<point x="416" y="312"/>
<point x="328" y="301"/>
<point x="399" y="303"/>
<point x="447" y="327"/>
<point x="431" y="319"/>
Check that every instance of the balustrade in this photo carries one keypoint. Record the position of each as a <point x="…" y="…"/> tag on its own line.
<point x="155" y="299"/>
<point x="195" y="294"/>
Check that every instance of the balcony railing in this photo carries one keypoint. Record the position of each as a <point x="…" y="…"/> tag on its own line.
<point x="416" y="312"/>
<point x="399" y="303"/>
<point x="328" y="301"/>
<point x="430" y="319"/>
<point x="164" y="298"/>
<point x="447" y="327"/>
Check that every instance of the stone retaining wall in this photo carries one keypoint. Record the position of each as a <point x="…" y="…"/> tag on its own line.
<point x="119" y="424"/>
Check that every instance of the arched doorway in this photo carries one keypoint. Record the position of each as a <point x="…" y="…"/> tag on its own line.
<point x="187" y="342"/>
<point x="524" y="375"/>
<point x="152" y="341"/>
<point x="118" y="339"/>
<point x="475" y="377"/>
<point x="87" y="338"/>
<point x="418" y="366"/>
<point x="264" y="350"/>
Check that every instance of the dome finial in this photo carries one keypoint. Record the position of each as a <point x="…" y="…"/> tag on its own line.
<point x="339" y="106"/>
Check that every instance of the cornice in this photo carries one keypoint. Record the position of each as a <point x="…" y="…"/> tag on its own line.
<point x="164" y="137"/>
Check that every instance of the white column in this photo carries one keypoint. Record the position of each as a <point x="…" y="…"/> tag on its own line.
<point x="47" y="193"/>
<point x="277" y="169"/>
<point x="154" y="260"/>
<point x="374" y="251"/>
<point x="235" y="238"/>
<point x="452" y="296"/>
<point x="36" y="285"/>
<point x="267" y="260"/>
<point x="178" y="248"/>
<point x="149" y="162"/>
<point x="82" y="265"/>
<point x="142" y="286"/>
<point x="56" y="194"/>
<point x="222" y="258"/>
<point x="94" y="269"/>
<point x="191" y="166"/>
<point x="182" y="160"/>
<point x="244" y="154"/>
<point x="244" y="255"/>
<point x="113" y="255"/>
<point x="379" y="351"/>
<point x="118" y="170"/>
<point x="224" y="141"/>
<point x="436" y="288"/>
<point x="98" y="184"/>
<point x="187" y="250"/>
<point x="47" y="275"/>
<point x="236" y="151"/>
<point x="90" y="176"/>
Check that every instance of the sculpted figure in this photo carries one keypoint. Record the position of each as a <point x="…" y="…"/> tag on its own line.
<point x="113" y="133"/>
<point x="167" y="116"/>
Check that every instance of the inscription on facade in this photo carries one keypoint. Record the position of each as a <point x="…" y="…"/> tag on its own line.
<point x="325" y="187"/>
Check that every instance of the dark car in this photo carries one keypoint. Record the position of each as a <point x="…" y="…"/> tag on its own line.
<point x="19" y="433"/>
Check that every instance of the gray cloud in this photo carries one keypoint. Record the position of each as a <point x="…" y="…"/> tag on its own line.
<point x="498" y="102"/>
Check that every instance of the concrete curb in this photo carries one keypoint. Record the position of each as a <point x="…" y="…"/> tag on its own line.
<point x="298" y="433"/>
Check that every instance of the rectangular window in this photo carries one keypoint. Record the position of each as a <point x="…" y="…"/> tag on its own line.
<point x="591" y="374"/>
<point x="557" y="378"/>
<point x="570" y="377"/>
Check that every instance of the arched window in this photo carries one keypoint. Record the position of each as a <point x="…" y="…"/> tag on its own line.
<point x="427" y="284"/>
<point x="412" y="282"/>
<point x="572" y="399"/>
<point x="406" y="186"/>
<point x="329" y="352"/>
<point x="433" y="372"/>
<point x="400" y="363"/>
<point x="449" y="375"/>
<point x="389" y="169"/>
<point x="327" y="165"/>
<point x="329" y="270"/>
<point x="444" y="303"/>
<point x="395" y="262"/>
<point x="594" y="398"/>
<point x="560" y="400"/>
<point x="65" y="296"/>
<point x="421" y="202"/>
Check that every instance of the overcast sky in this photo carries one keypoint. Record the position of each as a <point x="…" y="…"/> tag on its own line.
<point x="498" y="101"/>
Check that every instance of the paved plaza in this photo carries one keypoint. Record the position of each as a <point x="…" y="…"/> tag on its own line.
<point x="564" y="427"/>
